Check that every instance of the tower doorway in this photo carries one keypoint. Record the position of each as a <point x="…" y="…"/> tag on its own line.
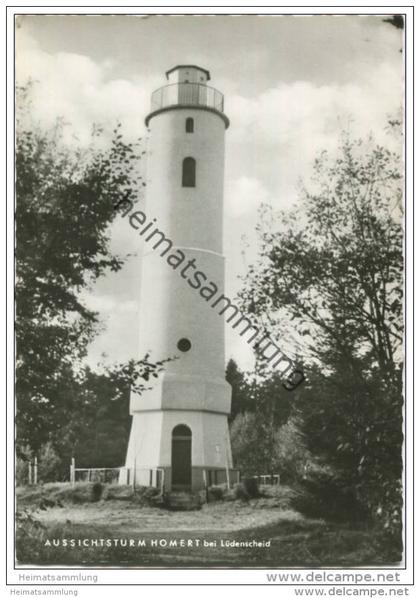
<point x="181" y="457"/>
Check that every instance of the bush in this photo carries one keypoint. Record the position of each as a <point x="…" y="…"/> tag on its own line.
<point x="29" y="536"/>
<point x="215" y="493"/>
<point x="251" y="487"/>
<point x="240" y="492"/>
<point x="21" y="472"/>
<point x="145" y="494"/>
<point x="292" y="457"/>
<point x="230" y="494"/>
<point x="97" y="490"/>
<point x="80" y="493"/>
<point x="248" y="488"/>
<point x="245" y="440"/>
<point x="49" y="464"/>
<point x="325" y="494"/>
<point x="118" y="492"/>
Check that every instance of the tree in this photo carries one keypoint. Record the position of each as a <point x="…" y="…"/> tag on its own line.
<point x="240" y="390"/>
<point x="329" y="279"/>
<point x="283" y="451"/>
<point x="64" y="205"/>
<point x="245" y="443"/>
<point x="263" y="407"/>
<point x="97" y="420"/>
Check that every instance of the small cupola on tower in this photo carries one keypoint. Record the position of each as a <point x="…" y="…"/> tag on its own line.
<point x="188" y="73"/>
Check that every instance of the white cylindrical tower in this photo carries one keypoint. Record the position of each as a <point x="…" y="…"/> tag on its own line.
<point x="180" y="425"/>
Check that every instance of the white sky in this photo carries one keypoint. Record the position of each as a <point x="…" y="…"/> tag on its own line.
<point x="291" y="84"/>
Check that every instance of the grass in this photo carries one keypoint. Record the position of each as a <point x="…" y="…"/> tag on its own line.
<point x="294" y="541"/>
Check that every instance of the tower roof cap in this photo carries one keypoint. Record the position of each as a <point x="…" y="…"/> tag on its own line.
<point x="188" y="66"/>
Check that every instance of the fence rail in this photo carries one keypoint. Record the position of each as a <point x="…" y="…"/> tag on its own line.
<point x="268" y="479"/>
<point x="118" y="475"/>
<point x="136" y="476"/>
<point x="214" y="477"/>
<point x="100" y="474"/>
<point x="147" y="477"/>
<point x="187" y="94"/>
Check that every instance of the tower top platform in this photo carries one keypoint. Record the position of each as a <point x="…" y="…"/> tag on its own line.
<point x="187" y="88"/>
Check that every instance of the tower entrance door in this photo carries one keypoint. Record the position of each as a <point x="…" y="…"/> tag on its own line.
<point x="181" y="458"/>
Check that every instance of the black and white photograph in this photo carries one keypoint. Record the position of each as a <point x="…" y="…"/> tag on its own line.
<point x="210" y="220"/>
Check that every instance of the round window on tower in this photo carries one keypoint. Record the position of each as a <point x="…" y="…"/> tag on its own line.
<point x="184" y="345"/>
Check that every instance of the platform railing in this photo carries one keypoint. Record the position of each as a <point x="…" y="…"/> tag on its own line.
<point x="187" y="94"/>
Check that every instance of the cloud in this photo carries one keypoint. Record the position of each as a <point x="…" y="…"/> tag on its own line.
<point x="276" y="136"/>
<point x="82" y="92"/>
<point x="238" y="349"/>
<point x="274" y="139"/>
<point x="115" y="298"/>
<point x="244" y="195"/>
<point x="118" y="341"/>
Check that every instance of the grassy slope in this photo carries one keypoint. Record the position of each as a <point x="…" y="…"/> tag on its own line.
<point x="295" y="540"/>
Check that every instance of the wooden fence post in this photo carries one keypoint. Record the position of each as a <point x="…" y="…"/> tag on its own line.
<point x="30" y="472"/>
<point x="134" y="473"/>
<point x="36" y="470"/>
<point x="72" y="471"/>
<point x="162" y="484"/>
<point x="206" y="487"/>
<point x="227" y="467"/>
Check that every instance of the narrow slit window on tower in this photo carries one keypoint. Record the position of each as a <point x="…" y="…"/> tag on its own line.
<point x="188" y="172"/>
<point x="189" y="125"/>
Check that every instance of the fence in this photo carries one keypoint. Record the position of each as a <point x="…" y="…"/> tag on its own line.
<point x="142" y="477"/>
<point x="146" y="477"/>
<point x="268" y="479"/>
<point x="118" y="475"/>
<point x="103" y="475"/>
<point x="213" y="477"/>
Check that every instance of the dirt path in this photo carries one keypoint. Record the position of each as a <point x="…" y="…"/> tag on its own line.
<point x="127" y="518"/>
<point x="125" y="533"/>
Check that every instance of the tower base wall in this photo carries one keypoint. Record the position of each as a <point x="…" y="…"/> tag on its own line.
<point x="151" y="448"/>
